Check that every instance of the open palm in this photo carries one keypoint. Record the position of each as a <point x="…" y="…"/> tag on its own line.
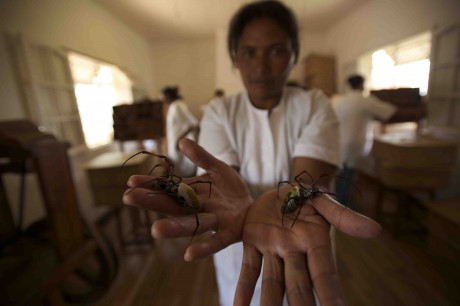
<point x="299" y="258"/>
<point x="223" y="205"/>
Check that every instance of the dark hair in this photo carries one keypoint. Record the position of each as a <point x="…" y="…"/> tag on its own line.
<point x="355" y="81"/>
<point x="171" y="92"/>
<point x="271" y="9"/>
<point x="219" y="92"/>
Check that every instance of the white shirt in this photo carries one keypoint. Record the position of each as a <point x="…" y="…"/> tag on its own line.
<point x="355" y="112"/>
<point x="178" y="120"/>
<point x="262" y="145"/>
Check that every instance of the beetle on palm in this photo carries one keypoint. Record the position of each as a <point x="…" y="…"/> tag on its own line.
<point x="172" y="185"/>
<point x="298" y="194"/>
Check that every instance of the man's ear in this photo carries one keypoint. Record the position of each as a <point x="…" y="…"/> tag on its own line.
<point x="293" y="59"/>
<point x="234" y="65"/>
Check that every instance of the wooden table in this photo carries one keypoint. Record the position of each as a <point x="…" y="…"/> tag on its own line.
<point x="409" y="162"/>
<point x="107" y="179"/>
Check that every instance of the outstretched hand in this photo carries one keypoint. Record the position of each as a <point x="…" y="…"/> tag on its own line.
<point x="222" y="212"/>
<point x="299" y="258"/>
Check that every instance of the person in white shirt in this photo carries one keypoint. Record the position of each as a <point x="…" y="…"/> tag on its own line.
<point x="263" y="144"/>
<point x="251" y="142"/>
<point x="219" y="94"/>
<point x="355" y="112"/>
<point x="180" y="123"/>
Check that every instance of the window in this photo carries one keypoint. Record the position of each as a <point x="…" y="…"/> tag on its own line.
<point x="98" y="87"/>
<point x="403" y="64"/>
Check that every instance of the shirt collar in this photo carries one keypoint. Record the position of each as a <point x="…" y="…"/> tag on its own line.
<point x="264" y="112"/>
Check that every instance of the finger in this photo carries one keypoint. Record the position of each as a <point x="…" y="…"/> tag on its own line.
<point x="249" y="274"/>
<point x="272" y="281"/>
<point x="184" y="226"/>
<point x="324" y="275"/>
<point x="199" y="156"/>
<point x="346" y="220"/>
<point x="298" y="285"/>
<point x="210" y="245"/>
<point x="201" y="184"/>
<point x="159" y="202"/>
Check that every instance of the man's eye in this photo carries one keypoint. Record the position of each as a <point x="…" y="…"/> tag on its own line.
<point x="278" y="51"/>
<point x="246" y="53"/>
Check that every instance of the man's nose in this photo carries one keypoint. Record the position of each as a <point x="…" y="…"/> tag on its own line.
<point x="262" y="62"/>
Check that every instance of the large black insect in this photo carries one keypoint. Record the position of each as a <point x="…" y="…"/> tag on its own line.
<point x="173" y="186"/>
<point x="296" y="196"/>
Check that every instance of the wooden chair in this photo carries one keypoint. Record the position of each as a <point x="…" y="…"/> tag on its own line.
<point x="81" y="251"/>
<point x="79" y="246"/>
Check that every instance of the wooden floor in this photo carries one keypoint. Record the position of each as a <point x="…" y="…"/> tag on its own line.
<point x="381" y="271"/>
<point x="157" y="275"/>
<point x="160" y="277"/>
<point x="394" y="270"/>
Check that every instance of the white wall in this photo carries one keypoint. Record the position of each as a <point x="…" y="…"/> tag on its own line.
<point x="310" y="42"/>
<point x="381" y="22"/>
<point x="188" y="64"/>
<point x="81" y="25"/>
<point x="227" y="77"/>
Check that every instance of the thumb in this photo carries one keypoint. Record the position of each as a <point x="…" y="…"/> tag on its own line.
<point x="345" y="219"/>
<point x="199" y="156"/>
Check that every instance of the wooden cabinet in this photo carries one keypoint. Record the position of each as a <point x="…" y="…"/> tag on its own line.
<point x="320" y="72"/>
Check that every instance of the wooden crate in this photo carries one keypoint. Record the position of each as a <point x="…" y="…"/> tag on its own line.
<point x="140" y="120"/>
<point x="414" y="161"/>
<point x="412" y="177"/>
<point x="399" y="96"/>
<point x="404" y="149"/>
<point x="107" y="177"/>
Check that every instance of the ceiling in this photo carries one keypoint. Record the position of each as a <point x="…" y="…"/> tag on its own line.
<point x="182" y="19"/>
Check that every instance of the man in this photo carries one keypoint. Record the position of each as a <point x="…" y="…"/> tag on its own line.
<point x="268" y="133"/>
<point x="355" y="112"/>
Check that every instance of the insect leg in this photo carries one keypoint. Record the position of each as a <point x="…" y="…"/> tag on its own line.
<point x="298" y="176"/>
<point x="283" y="182"/>
<point x="298" y="213"/>
<point x="320" y="177"/>
<point x="196" y="228"/>
<point x="169" y="167"/>
<point x="158" y="165"/>
<point x="148" y="184"/>
<point x="203" y="182"/>
<point x="349" y="182"/>
<point x="179" y="179"/>
<point x="144" y="152"/>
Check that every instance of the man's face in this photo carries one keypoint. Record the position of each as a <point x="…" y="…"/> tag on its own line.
<point x="264" y="57"/>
